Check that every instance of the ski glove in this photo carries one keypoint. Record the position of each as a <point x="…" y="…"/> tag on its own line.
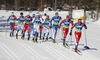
<point x="70" y="33"/>
<point x="50" y="27"/>
<point x="7" y="24"/>
<point x="85" y="26"/>
<point x="59" y="27"/>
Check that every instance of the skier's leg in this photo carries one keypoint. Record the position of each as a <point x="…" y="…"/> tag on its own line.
<point x="47" y="33"/>
<point x="18" y="27"/>
<point x="64" y="33"/>
<point x="22" y="26"/>
<point x="25" y="26"/>
<point x="44" y="32"/>
<point x="77" y="36"/>
<point x="33" y="34"/>
<point x="37" y="32"/>
<point x="28" y="31"/>
<point x="40" y="28"/>
<point x="31" y="27"/>
<point x="11" y="29"/>
<point x="55" y="32"/>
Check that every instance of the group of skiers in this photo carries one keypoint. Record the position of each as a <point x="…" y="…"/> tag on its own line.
<point x="38" y="25"/>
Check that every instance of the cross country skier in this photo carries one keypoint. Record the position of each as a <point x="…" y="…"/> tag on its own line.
<point x="12" y="19"/>
<point x="37" y="21"/>
<point x="20" y="24"/>
<point x="66" y="23"/>
<point x="56" y="19"/>
<point x="78" y="27"/>
<point x="31" y="24"/>
<point x="46" y="25"/>
<point x="28" y="19"/>
<point x="40" y="28"/>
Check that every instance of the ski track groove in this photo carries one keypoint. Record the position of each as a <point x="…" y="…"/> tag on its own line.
<point x="31" y="51"/>
<point x="7" y="53"/>
<point x="59" y="53"/>
<point x="27" y="49"/>
<point x="51" y="51"/>
<point x="89" y="57"/>
<point x="85" y="55"/>
<point x="61" y="58"/>
<point x="37" y="53"/>
<point x="13" y="54"/>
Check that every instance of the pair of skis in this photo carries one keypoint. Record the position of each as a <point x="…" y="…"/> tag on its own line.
<point x="73" y="49"/>
<point x="77" y="51"/>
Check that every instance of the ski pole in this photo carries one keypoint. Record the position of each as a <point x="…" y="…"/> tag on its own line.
<point x="51" y="34"/>
<point x="6" y="29"/>
<point x="62" y="33"/>
<point x="68" y="39"/>
<point x="71" y="40"/>
<point x="85" y="38"/>
<point x="86" y="47"/>
<point x="57" y="32"/>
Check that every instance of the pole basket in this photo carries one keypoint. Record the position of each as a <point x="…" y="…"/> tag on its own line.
<point x="86" y="47"/>
<point x="50" y="37"/>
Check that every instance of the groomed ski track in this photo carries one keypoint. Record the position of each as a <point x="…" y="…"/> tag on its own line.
<point x="18" y="49"/>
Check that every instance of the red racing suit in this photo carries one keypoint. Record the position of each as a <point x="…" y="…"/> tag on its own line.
<point x="27" y="23"/>
<point x="78" y="29"/>
<point x="66" y="25"/>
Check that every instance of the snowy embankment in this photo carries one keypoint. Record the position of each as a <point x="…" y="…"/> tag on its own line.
<point x="17" y="49"/>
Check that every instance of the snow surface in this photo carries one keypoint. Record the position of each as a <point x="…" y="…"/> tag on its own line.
<point x="17" y="49"/>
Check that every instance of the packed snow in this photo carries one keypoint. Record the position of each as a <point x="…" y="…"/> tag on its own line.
<point x="18" y="49"/>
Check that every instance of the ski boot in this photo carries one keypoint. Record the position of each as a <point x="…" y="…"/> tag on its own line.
<point x="54" y="41"/>
<point x="16" y="35"/>
<point x="36" y="39"/>
<point x="28" y="36"/>
<point x="43" y="39"/>
<point x="23" y="36"/>
<point x="33" y="40"/>
<point x="64" y="43"/>
<point x="75" y="49"/>
<point x="47" y="38"/>
<point x="10" y="34"/>
<point x="64" y="46"/>
<point x="40" y="37"/>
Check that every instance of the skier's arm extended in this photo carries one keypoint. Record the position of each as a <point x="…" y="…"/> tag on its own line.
<point x="61" y="22"/>
<point x="84" y="25"/>
<point x="72" y="28"/>
<point x="15" y="17"/>
<point x="8" y="20"/>
<point x="18" y="19"/>
<point x="71" y="22"/>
